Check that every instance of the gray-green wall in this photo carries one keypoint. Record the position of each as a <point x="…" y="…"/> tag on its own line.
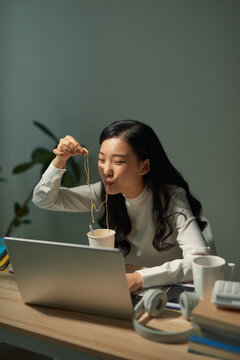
<point x="76" y="66"/>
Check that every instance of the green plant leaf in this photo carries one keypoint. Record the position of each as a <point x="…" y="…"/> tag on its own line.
<point x="17" y="222"/>
<point x="42" y="156"/>
<point x="22" y="167"/>
<point x="46" y="130"/>
<point x="26" y="221"/>
<point x="16" y="207"/>
<point x="23" y="211"/>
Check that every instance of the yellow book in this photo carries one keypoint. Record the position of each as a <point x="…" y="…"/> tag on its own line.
<point x="4" y="262"/>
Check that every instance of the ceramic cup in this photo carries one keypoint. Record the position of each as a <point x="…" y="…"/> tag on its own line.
<point x="102" y="238"/>
<point x="206" y="270"/>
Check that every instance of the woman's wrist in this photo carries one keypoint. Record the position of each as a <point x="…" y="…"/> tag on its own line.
<point x="135" y="281"/>
<point x="139" y="279"/>
<point x="59" y="163"/>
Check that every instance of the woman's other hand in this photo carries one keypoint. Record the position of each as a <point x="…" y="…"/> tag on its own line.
<point x="134" y="282"/>
<point x="66" y="148"/>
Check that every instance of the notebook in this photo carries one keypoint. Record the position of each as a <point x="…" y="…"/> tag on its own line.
<point x="71" y="276"/>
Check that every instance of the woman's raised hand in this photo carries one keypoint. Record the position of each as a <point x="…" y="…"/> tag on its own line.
<point x="66" y="148"/>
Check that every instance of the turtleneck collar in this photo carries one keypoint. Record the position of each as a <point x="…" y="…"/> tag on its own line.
<point x="142" y="196"/>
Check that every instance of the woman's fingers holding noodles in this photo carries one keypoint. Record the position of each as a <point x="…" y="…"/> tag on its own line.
<point x="83" y="151"/>
<point x="68" y="146"/>
<point x="74" y="145"/>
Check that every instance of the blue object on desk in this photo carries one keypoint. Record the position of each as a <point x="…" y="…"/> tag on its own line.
<point x="214" y="343"/>
<point x="4" y="258"/>
<point x="171" y="305"/>
<point x="173" y="292"/>
<point x="3" y="249"/>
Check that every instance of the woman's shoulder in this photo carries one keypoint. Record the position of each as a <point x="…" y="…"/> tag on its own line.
<point x="174" y="190"/>
<point x="177" y="196"/>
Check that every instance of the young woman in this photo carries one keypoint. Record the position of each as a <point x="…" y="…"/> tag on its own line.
<point x="156" y="218"/>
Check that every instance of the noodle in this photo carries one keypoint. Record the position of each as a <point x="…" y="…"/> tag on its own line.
<point x="93" y="206"/>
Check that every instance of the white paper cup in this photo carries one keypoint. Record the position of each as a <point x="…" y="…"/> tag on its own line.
<point x="102" y="238"/>
<point x="206" y="270"/>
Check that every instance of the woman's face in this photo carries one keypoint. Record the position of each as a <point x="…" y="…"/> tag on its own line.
<point x="120" y="169"/>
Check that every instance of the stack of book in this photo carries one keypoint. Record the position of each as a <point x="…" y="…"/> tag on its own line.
<point x="217" y="331"/>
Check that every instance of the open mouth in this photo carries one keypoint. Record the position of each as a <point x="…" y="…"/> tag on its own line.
<point x="108" y="183"/>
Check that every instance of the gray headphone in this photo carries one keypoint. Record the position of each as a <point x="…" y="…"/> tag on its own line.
<point x="154" y="302"/>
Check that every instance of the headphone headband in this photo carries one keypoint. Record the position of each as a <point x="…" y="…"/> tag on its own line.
<point x="154" y="302"/>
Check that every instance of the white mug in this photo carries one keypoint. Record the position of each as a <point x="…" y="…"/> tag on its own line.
<point x="206" y="270"/>
<point x="102" y="238"/>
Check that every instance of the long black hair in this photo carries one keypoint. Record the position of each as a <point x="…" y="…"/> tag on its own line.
<point x="146" y="145"/>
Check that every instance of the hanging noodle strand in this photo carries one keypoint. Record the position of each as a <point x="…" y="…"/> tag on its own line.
<point x="93" y="206"/>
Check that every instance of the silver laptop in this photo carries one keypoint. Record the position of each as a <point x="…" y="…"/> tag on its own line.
<point x="71" y="276"/>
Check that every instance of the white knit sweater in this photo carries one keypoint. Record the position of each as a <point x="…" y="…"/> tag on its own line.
<point x="163" y="267"/>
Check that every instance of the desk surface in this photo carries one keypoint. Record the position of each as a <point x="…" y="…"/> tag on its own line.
<point x="95" y="335"/>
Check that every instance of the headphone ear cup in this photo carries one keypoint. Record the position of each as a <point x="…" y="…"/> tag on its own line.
<point x="188" y="301"/>
<point x="154" y="302"/>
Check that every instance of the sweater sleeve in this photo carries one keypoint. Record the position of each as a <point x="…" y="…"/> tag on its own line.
<point x="48" y="193"/>
<point x="188" y="237"/>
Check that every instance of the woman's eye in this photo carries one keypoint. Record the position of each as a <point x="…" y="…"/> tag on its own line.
<point x="119" y="162"/>
<point x="101" y="160"/>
